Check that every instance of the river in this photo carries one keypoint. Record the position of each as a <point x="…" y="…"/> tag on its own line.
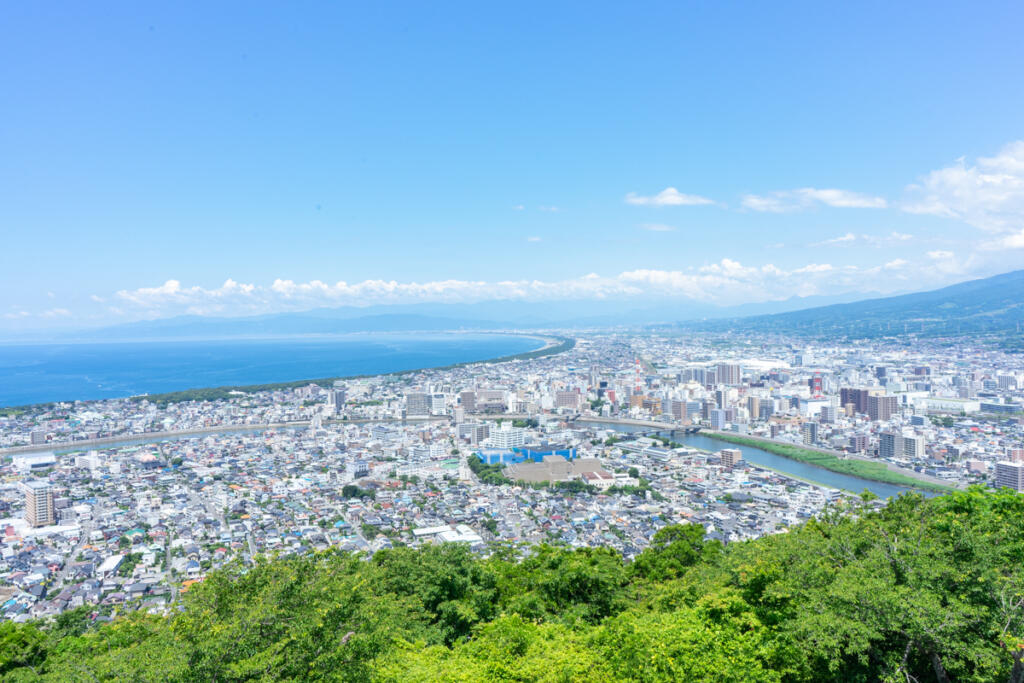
<point x="751" y="454"/>
<point x="761" y="457"/>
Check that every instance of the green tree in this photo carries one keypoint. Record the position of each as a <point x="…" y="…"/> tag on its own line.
<point x="673" y="549"/>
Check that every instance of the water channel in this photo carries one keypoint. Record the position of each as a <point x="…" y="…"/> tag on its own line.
<point x="751" y="454"/>
<point x="763" y="458"/>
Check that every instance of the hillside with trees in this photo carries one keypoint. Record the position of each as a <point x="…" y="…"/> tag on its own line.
<point x="989" y="305"/>
<point x="922" y="590"/>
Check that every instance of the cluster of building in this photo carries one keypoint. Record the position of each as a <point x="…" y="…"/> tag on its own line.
<point x="583" y="448"/>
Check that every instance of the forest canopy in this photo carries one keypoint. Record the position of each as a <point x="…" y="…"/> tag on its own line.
<point x="924" y="590"/>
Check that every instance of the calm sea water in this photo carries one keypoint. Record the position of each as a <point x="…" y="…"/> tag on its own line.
<point x="64" y="372"/>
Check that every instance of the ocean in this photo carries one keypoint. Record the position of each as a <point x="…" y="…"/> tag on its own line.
<point x="68" y="372"/>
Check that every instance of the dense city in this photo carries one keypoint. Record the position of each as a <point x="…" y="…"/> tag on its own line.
<point x="123" y="504"/>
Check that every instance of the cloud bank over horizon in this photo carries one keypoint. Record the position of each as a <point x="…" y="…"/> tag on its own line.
<point x="987" y="195"/>
<point x="723" y="283"/>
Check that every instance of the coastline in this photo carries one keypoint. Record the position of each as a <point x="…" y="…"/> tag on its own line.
<point x="552" y="344"/>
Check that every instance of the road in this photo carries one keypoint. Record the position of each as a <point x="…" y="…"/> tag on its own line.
<point x="152" y="437"/>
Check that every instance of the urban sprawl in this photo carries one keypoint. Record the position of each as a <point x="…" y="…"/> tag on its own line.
<point x="123" y="504"/>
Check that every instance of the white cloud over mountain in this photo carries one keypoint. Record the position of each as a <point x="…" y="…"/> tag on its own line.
<point x="724" y="282"/>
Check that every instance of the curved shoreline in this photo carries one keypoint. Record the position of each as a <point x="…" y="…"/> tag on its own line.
<point x="552" y="344"/>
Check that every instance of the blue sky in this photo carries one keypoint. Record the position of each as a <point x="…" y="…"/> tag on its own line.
<point x="225" y="159"/>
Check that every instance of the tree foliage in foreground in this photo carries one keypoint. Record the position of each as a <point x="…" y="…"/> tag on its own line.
<point x="925" y="590"/>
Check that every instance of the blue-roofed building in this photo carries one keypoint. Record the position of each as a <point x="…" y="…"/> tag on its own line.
<point x="513" y="456"/>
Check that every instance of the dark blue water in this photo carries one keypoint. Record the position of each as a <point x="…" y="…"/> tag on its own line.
<point x="67" y="372"/>
<point x="758" y="456"/>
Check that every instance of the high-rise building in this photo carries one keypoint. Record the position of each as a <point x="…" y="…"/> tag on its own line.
<point x="890" y="445"/>
<point x="491" y="400"/>
<point x="882" y="408"/>
<point x="858" y="443"/>
<point x="417" y="405"/>
<point x="809" y="432"/>
<point x="507" y="437"/>
<point x="913" y="447"/>
<point x="438" y="404"/>
<point x="728" y="373"/>
<point x="474" y="432"/>
<point x="731" y="457"/>
<point x="856" y="397"/>
<point x="718" y="418"/>
<point x="336" y="398"/>
<point x="754" y="407"/>
<point x="1010" y="474"/>
<point x="38" y="503"/>
<point x="721" y="397"/>
<point x="467" y="399"/>
<point x="828" y="414"/>
<point x="815" y="384"/>
<point x="567" y="399"/>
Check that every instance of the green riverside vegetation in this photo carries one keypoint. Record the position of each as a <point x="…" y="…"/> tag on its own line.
<point x="875" y="471"/>
<point x="923" y="590"/>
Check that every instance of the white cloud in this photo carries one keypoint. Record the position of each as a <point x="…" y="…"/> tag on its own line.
<point x="939" y="254"/>
<point x="726" y="281"/>
<point x="17" y="314"/>
<point x="988" y="195"/>
<point x="518" y="207"/>
<point x="850" y="239"/>
<point x="55" y="313"/>
<point x="785" y="201"/>
<point x="549" y="209"/>
<point x="670" y="196"/>
<point x="1012" y="241"/>
<point x="815" y="268"/>
<point x="842" y="240"/>
<point x="533" y="239"/>
<point x="657" y="227"/>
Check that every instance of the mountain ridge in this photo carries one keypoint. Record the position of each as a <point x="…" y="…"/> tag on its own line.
<point x="992" y="304"/>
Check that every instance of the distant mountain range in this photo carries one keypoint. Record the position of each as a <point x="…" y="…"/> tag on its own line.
<point x="990" y="304"/>
<point x="489" y="315"/>
<point x="994" y="304"/>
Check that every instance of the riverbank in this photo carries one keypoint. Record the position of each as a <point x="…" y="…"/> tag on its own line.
<point x="863" y="469"/>
<point x="874" y="472"/>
